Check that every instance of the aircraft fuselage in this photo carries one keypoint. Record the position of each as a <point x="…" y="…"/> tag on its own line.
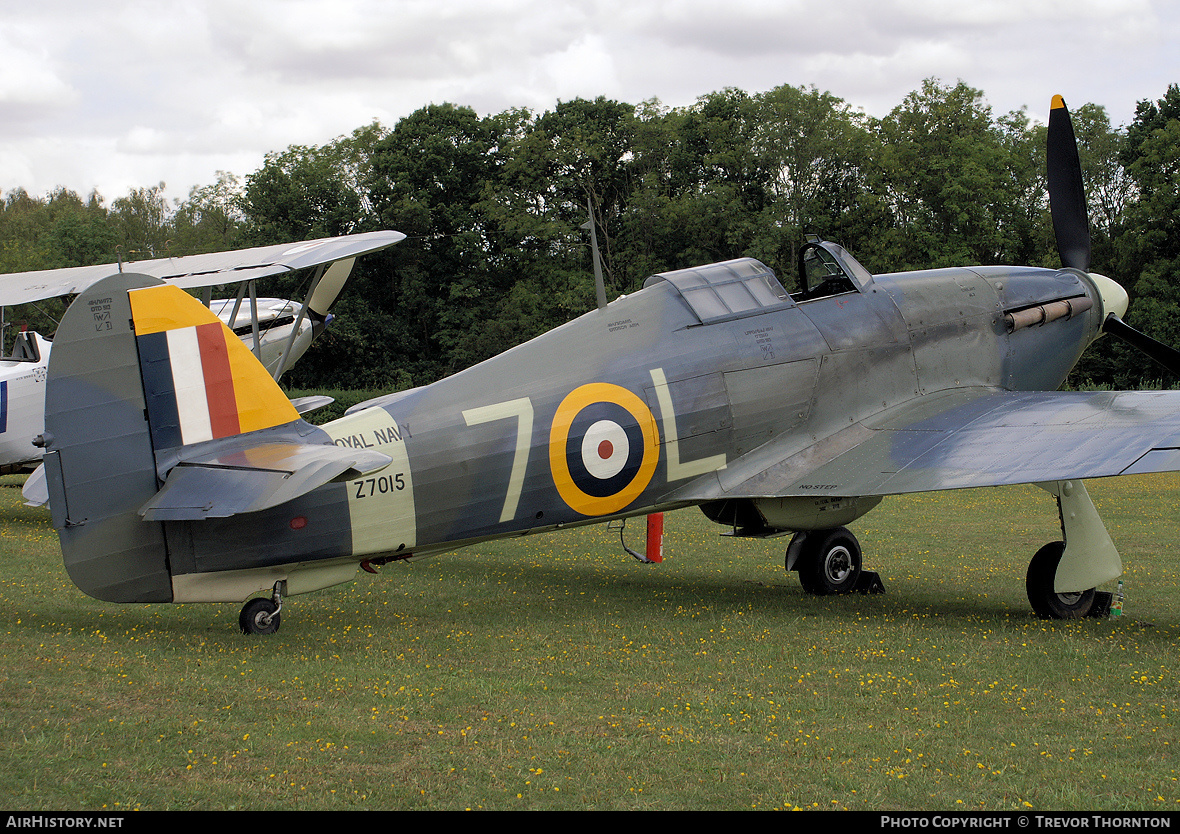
<point x="613" y="413"/>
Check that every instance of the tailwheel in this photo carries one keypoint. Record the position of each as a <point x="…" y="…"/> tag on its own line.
<point x="1047" y="603"/>
<point x="261" y="615"/>
<point x="830" y="562"/>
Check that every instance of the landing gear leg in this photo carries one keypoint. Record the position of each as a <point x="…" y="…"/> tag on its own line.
<point x="1062" y="575"/>
<point x="261" y="615"/>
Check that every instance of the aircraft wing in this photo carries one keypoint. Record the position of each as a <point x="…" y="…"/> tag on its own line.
<point x="965" y="438"/>
<point x="192" y="271"/>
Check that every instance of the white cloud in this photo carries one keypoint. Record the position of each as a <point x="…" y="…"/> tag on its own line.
<point x="31" y="84"/>
<point x="131" y="92"/>
<point x="585" y="68"/>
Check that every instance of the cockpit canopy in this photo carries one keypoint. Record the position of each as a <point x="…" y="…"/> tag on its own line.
<point x="826" y="268"/>
<point x="727" y="290"/>
<point x="745" y="286"/>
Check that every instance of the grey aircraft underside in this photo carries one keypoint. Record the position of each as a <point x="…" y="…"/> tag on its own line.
<point x="710" y="386"/>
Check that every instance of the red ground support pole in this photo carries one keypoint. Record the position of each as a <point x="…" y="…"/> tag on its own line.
<point x="655" y="537"/>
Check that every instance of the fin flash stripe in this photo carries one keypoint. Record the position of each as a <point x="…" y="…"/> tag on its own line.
<point x="200" y="381"/>
<point x="218" y="379"/>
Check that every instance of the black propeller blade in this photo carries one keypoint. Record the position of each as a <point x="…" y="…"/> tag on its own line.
<point x="1067" y="198"/>
<point x="1164" y="356"/>
<point x="1071" y="226"/>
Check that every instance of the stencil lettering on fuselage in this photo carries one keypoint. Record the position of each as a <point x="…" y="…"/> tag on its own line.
<point x="381" y="504"/>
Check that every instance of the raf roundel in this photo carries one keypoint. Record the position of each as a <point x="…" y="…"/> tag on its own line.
<point x="603" y="448"/>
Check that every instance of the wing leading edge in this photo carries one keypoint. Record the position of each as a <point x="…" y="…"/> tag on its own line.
<point x="965" y="438"/>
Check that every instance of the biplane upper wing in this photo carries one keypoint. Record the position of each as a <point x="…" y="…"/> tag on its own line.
<point x="965" y="438"/>
<point x="192" y="271"/>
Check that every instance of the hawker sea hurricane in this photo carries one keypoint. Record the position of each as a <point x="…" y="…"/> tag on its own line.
<point x="178" y="472"/>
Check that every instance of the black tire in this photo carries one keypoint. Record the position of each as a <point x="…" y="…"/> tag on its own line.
<point x="830" y="562"/>
<point x="1047" y="603"/>
<point x="259" y="616"/>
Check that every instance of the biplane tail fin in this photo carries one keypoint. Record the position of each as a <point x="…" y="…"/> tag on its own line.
<point x="140" y="372"/>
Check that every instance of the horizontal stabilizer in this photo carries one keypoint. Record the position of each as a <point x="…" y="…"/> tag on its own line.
<point x="36" y="492"/>
<point x="307" y="404"/>
<point x="246" y="479"/>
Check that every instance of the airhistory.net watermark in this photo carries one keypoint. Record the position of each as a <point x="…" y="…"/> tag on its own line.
<point x="61" y="821"/>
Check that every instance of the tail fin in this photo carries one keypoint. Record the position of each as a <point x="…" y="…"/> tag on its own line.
<point x="138" y="369"/>
<point x="201" y="382"/>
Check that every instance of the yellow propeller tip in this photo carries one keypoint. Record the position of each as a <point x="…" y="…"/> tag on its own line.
<point x="1058" y="103"/>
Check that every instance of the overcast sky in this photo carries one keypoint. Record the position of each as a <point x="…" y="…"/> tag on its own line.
<point x="120" y="94"/>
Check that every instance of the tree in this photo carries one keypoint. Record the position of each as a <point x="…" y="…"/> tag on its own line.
<point x="1147" y="242"/>
<point x="1109" y="186"/>
<point x="306" y="192"/>
<point x="428" y="178"/>
<point x="142" y="223"/>
<point x="580" y="154"/>
<point x="1152" y="159"/>
<point x="814" y="149"/>
<point x="699" y="186"/>
<point x="943" y="172"/>
<point x="25" y="223"/>
<point x="211" y="219"/>
<point x="83" y="235"/>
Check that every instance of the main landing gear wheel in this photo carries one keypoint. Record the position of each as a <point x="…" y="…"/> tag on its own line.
<point x="1047" y="603"/>
<point x="830" y="562"/>
<point x="259" y="616"/>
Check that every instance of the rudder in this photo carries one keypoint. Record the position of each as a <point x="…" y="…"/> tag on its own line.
<point x="200" y="381"/>
<point x="99" y="465"/>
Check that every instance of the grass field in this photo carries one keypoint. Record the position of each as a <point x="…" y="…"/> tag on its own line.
<point x="555" y="672"/>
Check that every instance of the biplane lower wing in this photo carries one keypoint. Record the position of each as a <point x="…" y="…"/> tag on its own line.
<point x="965" y="438"/>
